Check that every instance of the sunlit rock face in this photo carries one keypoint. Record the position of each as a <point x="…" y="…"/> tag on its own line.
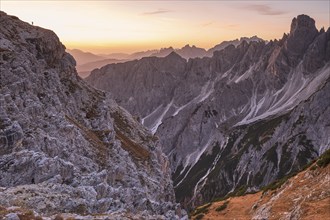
<point x="240" y="119"/>
<point x="67" y="147"/>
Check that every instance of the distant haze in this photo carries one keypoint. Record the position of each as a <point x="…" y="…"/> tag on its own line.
<point x="130" y="26"/>
<point x="87" y="61"/>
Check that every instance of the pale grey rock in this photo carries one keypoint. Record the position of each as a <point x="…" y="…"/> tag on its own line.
<point x="64" y="146"/>
<point x="11" y="216"/>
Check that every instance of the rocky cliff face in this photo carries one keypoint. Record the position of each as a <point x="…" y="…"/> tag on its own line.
<point x="66" y="147"/>
<point x="240" y="119"/>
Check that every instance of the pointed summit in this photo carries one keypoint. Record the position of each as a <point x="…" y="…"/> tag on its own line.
<point x="302" y="22"/>
<point x="187" y="46"/>
<point x="302" y="33"/>
<point x="174" y="55"/>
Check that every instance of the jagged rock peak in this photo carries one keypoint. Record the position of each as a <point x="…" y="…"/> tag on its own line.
<point x="302" y="22"/>
<point x="166" y="49"/>
<point x="302" y="33"/>
<point x="174" y="55"/>
<point x="187" y="46"/>
<point x="253" y="38"/>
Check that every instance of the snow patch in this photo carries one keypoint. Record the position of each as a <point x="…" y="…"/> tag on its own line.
<point x="193" y="158"/>
<point x="296" y="89"/>
<point x="245" y="75"/>
<point x="151" y="114"/>
<point x="206" y="91"/>
<point x="159" y="120"/>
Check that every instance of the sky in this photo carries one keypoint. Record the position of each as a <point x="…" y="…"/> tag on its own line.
<point x="129" y="26"/>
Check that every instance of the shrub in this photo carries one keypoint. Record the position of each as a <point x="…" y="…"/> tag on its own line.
<point x="28" y="215"/>
<point x="314" y="167"/>
<point x="276" y="184"/>
<point x="204" y="209"/>
<point x="241" y="191"/>
<point x="222" y="207"/>
<point x="324" y="159"/>
<point x="58" y="217"/>
<point x="238" y="192"/>
<point x="308" y="165"/>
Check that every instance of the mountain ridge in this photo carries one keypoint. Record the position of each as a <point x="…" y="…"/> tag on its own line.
<point x="86" y="61"/>
<point x="235" y="106"/>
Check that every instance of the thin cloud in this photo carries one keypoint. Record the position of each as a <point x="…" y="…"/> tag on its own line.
<point x="231" y="26"/>
<point x="159" y="11"/>
<point x="207" y="24"/>
<point x="264" y="9"/>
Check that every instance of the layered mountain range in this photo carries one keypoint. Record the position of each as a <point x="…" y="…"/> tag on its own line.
<point x="250" y="114"/>
<point x="87" y="61"/>
<point x="66" y="147"/>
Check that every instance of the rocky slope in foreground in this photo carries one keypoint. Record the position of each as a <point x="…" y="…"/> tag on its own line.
<point x="306" y="195"/>
<point x="242" y="118"/>
<point x="66" y="147"/>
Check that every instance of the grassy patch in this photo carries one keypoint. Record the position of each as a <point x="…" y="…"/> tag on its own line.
<point x="314" y="167"/>
<point x="277" y="183"/>
<point x="222" y="207"/>
<point x="81" y="209"/>
<point x="324" y="159"/>
<point x="123" y="130"/>
<point x="58" y="217"/>
<point x="202" y="210"/>
<point x="3" y="212"/>
<point x="241" y="191"/>
<point x="238" y="192"/>
<point x="28" y="215"/>
<point x="137" y="150"/>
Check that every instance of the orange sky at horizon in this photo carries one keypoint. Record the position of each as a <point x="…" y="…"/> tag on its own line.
<point x="130" y="26"/>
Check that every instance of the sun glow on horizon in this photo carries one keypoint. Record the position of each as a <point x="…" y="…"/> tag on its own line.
<point x="130" y="26"/>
